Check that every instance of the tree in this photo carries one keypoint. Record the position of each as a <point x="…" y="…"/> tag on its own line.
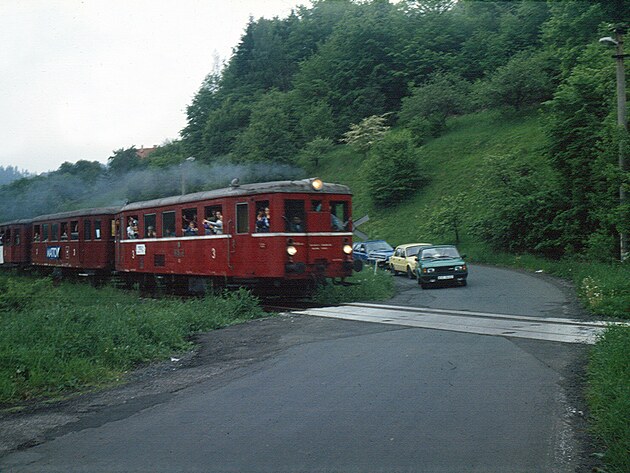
<point x="271" y="134"/>
<point x="443" y="95"/>
<point x="310" y="155"/>
<point x="393" y="172"/>
<point x="368" y="132"/>
<point x="526" y="79"/>
<point x="124" y="160"/>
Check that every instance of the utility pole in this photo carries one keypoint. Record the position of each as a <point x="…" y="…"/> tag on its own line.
<point x="622" y="124"/>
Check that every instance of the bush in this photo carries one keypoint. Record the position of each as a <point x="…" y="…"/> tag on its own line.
<point x="76" y="336"/>
<point x="609" y="396"/>
<point x="365" y="286"/>
<point x="392" y="171"/>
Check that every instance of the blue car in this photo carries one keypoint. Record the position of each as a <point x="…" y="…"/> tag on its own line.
<point x="372" y="251"/>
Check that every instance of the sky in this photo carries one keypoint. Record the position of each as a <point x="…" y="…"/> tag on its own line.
<point x="81" y="79"/>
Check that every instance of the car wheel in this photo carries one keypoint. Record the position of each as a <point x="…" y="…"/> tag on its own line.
<point x="393" y="271"/>
<point x="410" y="274"/>
<point x="423" y="286"/>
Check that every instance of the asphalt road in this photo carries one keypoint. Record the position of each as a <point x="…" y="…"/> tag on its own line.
<point x="306" y="394"/>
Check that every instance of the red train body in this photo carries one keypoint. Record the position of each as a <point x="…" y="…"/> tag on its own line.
<point x="277" y="237"/>
<point x="15" y="243"/>
<point x="80" y="240"/>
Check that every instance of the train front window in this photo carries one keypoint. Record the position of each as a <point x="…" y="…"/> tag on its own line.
<point x="189" y="222"/>
<point x="294" y="216"/>
<point x="339" y="216"/>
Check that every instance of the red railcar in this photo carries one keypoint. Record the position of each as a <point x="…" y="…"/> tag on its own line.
<point x="307" y="239"/>
<point x="80" y="240"/>
<point x="15" y="243"/>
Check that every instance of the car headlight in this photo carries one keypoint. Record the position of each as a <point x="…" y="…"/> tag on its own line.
<point x="428" y="270"/>
<point x="460" y="268"/>
<point x="347" y="249"/>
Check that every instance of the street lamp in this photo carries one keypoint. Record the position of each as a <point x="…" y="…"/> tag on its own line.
<point x="622" y="122"/>
<point x="183" y="165"/>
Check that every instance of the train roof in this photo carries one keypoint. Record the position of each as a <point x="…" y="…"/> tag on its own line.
<point x="77" y="213"/>
<point x="22" y="221"/>
<point x="287" y="187"/>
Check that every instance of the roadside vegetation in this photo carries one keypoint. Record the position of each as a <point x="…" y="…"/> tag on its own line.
<point x="56" y="340"/>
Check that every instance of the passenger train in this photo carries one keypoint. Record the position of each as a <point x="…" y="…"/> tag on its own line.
<point x="282" y="237"/>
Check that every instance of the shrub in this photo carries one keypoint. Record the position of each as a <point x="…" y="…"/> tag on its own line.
<point x="392" y="171"/>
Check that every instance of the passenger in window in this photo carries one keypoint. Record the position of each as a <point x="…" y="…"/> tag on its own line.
<point x="207" y="228"/>
<point x="217" y="226"/>
<point x="296" y="225"/>
<point x="337" y="224"/>
<point x="132" y="229"/>
<point x="64" y="235"/>
<point x="191" y="229"/>
<point x="262" y="224"/>
<point x="151" y="232"/>
<point x="36" y="237"/>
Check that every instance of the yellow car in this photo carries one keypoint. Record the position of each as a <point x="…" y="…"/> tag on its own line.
<point x="404" y="259"/>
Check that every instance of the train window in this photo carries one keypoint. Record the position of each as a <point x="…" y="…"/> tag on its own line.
<point x="263" y="216"/>
<point x="316" y="205"/>
<point x="87" y="229"/>
<point x="212" y="215"/>
<point x="294" y="216"/>
<point x="113" y="228"/>
<point x="242" y="218"/>
<point x="339" y="215"/>
<point x="150" y="226"/>
<point x="97" y="230"/>
<point x="37" y="233"/>
<point x="64" y="230"/>
<point x="132" y="227"/>
<point x="45" y="232"/>
<point x="189" y="222"/>
<point x="74" y="230"/>
<point x="1" y="240"/>
<point x="54" y="232"/>
<point x="168" y="224"/>
<point x="7" y="237"/>
<point x="17" y="237"/>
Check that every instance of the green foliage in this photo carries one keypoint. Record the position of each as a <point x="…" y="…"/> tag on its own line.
<point x="309" y="157"/>
<point x="368" y="285"/>
<point x="364" y="135"/>
<point x="609" y="396"/>
<point x="269" y="135"/>
<point x="392" y="171"/>
<point x="518" y="202"/>
<point x="442" y="96"/>
<point x="525" y="80"/>
<point x="55" y="339"/>
<point x="124" y="160"/>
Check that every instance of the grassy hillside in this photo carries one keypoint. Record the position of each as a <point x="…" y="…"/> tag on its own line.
<point x="453" y="162"/>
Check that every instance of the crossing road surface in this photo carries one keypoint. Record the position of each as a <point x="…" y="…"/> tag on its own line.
<point x="483" y="323"/>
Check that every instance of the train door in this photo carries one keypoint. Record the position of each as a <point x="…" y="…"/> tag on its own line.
<point x="84" y="241"/>
<point x="240" y="260"/>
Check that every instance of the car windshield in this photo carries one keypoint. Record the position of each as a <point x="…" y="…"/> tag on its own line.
<point x="434" y="253"/>
<point x="379" y="245"/>
<point x="413" y="250"/>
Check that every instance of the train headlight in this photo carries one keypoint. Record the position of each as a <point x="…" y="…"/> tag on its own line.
<point x="347" y="249"/>
<point x="317" y="184"/>
<point x="291" y="250"/>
